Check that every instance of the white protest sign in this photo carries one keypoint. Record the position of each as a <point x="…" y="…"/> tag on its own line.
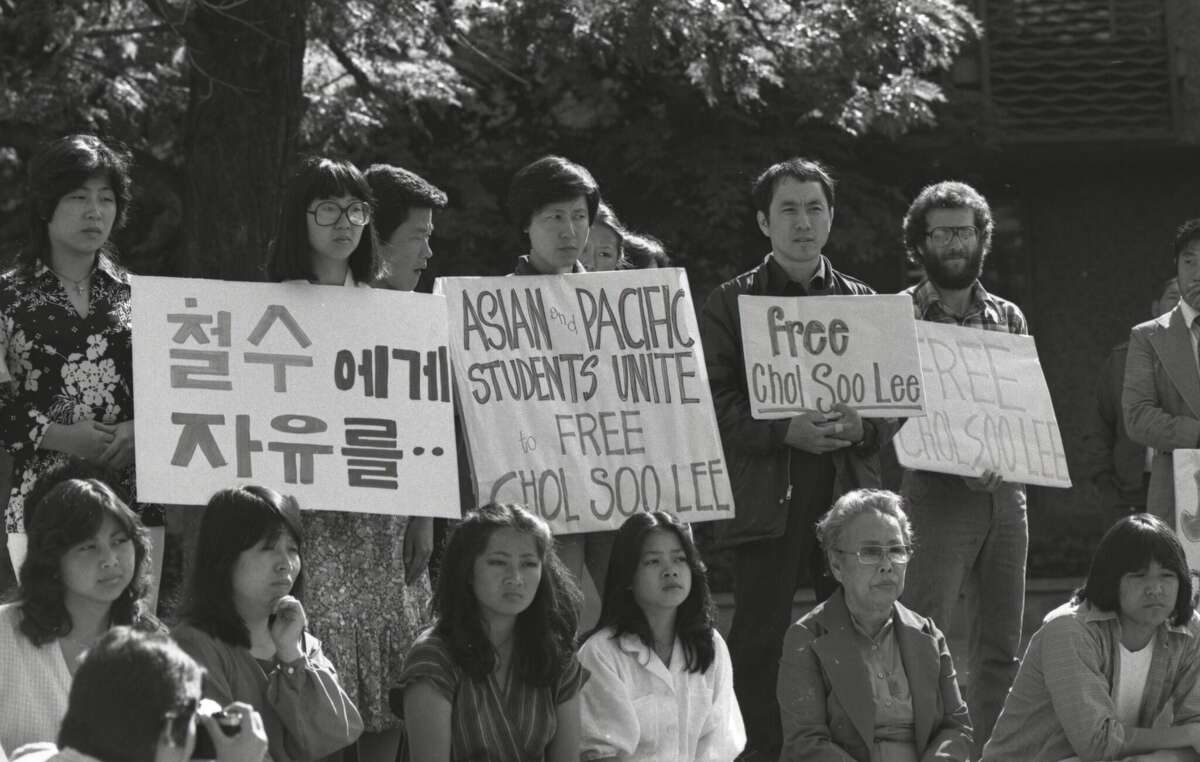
<point x="806" y="353"/>
<point x="339" y="396"/>
<point x="1187" y="509"/>
<point x="986" y="405"/>
<point x="585" y="397"/>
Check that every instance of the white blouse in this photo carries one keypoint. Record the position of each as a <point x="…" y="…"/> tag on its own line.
<point x="34" y="685"/>
<point x="634" y="707"/>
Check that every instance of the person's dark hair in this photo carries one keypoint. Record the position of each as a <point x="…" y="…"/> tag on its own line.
<point x="396" y="191"/>
<point x="1184" y="235"/>
<point x="544" y="636"/>
<point x="643" y="250"/>
<point x="62" y="166"/>
<point x="235" y="520"/>
<point x="1129" y="546"/>
<point x="67" y="514"/>
<point x="946" y="195"/>
<point x="70" y="468"/>
<point x="797" y="168"/>
<point x="548" y="180"/>
<point x="126" y="684"/>
<point x="694" y="620"/>
<point x="291" y="255"/>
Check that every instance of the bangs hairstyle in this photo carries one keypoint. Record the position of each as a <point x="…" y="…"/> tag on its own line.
<point x="127" y="682"/>
<point x="1129" y="546"/>
<point x="65" y="165"/>
<point x="1184" y="235"/>
<point x="548" y="180"/>
<point x="291" y="254"/>
<point x="71" y="512"/>
<point x="544" y="636"/>
<point x="608" y="218"/>
<point x="236" y="520"/>
<point x="694" y="620"/>
<point x="799" y="169"/>
<point x="397" y="191"/>
<point x="945" y="195"/>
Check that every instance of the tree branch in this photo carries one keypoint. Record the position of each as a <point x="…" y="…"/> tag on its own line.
<point x="122" y="32"/>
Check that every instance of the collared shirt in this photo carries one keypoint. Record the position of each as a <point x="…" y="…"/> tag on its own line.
<point x="780" y="283"/>
<point x="1061" y="703"/>
<point x="1189" y="316"/>
<point x="525" y="266"/>
<point x="895" y="723"/>
<point x="34" y="684"/>
<point x="986" y="311"/>
<point x="636" y="708"/>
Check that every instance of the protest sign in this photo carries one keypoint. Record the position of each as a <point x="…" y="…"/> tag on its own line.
<point x="1187" y="510"/>
<point x="804" y="354"/>
<point x="341" y="397"/>
<point x="585" y="397"/>
<point x="986" y="406"/>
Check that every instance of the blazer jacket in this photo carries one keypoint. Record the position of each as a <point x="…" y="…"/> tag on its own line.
<point x="1161" y="400"/>
<point x="824" y="690"/>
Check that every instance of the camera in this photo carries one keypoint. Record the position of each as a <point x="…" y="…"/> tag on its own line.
<point x="229" y="723"/>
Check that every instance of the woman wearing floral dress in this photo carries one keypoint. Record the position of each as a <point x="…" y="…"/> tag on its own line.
<point x="64" y="326"/>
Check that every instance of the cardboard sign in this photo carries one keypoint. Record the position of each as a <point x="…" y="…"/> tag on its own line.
<point x="805" y="354"/>
<point x="1187" y="510"/>
<point x="987" y="406"/>
<point x="585" y="397"/>
<point x="339" y="396"/>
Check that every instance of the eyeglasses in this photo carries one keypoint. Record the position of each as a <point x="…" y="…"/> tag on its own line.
<point x="328" y="213"/>
<point x="873" y="555"/>
<point x="176" y="723"/>
<point x="942" y="236"/>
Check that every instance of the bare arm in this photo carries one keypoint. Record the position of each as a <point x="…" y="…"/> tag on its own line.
<point x="427" y="720"/>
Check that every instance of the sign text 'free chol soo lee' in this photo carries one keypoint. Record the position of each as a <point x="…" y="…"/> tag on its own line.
<point x="585" y="397"/>
<point x="339" y="396"/>
<point x="987" y="407"/>
<point x="804" y="354"/>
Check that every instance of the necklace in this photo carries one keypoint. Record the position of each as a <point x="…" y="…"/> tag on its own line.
<point x="77" y="284"/>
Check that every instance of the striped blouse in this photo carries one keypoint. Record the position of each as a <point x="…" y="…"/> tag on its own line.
<point x="487" y="721"/>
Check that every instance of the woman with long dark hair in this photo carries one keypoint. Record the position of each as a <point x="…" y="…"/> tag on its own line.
<point x="87" y="569"/>
<point x="245" y="625"/>
<point x="64" y="326"/>
<point x="661" y="684"/>
<point x="496" y="677"/>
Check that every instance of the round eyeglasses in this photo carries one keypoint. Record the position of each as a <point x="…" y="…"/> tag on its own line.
<point x="873" y="555"/>
<point x="942" y="236"/>
<point x="328" y="213"/>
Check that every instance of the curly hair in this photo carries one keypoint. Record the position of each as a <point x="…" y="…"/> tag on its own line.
<point x="236" y="520"/>
<point x="544" y="636"/>
<point x="62" y="166"/>
<point x="949" y="194"/>
<point x="694" y="619"/>
<point x="69" y="513"/>
<point x="291" y="256"/>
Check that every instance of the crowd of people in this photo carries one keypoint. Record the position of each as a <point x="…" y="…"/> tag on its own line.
<point x="305" y="635"/>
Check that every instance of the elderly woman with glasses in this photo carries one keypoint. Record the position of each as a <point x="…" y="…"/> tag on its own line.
<point x="861" y="676"/>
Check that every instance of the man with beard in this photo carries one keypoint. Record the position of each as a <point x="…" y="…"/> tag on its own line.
<point x="1161" y="398"/>
<point x="972" y="530"/>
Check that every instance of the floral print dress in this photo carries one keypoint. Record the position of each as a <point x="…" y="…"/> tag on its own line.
<point x="62" y="367"/>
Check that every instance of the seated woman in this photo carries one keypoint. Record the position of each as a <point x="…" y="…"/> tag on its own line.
<point x="496" y="676"/>
<point x="87" y="568"/>
<point x="134" y="699"/>
<point x="861" y="676"/>
<point x="1100" y="672"/>
<point x="661" y="684"/>
<point x="246" y="628"/>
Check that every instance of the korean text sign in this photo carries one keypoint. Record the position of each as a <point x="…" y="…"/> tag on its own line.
<point x="987" y="406"/>
<point x="586" y="398"/>
<point x="804" y="354"/>
<point x="339" y="396"/>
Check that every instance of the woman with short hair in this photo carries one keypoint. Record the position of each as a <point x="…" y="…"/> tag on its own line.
<point x="861" y="675"/>
<point x="1105" y="666"/>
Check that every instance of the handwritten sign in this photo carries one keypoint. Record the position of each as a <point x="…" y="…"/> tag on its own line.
<point x="987" y="406"/>
<point x="807" y="353"/>
<point x="586" y="397"/>
<point x="1187" y="510"/>
<point x="339" y="396"/>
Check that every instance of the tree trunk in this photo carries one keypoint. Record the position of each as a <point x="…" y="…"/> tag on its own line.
<point x="243" y="119"/>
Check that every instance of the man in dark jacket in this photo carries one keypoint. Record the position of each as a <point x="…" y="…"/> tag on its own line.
<point x="785" y="473"/>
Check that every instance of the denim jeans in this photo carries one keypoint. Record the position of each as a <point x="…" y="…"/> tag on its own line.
<point x="978" y="537"/>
